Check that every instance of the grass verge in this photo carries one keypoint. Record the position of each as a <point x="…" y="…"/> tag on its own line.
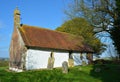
<point x="76" y="74"/>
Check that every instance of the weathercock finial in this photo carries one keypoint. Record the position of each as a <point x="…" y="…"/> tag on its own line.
<point x="16" y="11"/>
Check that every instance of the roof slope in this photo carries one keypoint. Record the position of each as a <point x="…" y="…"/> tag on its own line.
<point x="45" y="38"/>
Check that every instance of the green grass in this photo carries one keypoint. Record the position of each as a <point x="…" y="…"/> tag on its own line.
<point x="76" y="74"/>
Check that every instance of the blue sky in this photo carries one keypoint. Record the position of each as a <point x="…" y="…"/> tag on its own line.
<point x="42" y="13"/>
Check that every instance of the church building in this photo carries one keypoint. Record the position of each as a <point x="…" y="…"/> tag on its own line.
<point x="39" y="48"/>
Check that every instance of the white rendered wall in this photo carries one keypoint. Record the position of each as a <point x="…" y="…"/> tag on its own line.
<point x="60" y="57"/>
<point x="84" y="58"/>
<point x="37" y="59"/>
<point x="77" y="60"/>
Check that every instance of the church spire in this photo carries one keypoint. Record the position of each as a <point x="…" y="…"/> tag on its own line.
<point x="16" y="18"/>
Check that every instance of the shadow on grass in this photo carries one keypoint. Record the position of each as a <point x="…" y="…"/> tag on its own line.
<point x="106" y="72"/>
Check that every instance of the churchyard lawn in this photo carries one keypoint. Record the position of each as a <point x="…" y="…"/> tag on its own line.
<point x="90" y="73"/>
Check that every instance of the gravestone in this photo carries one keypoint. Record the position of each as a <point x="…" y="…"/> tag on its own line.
<point x="51" y="62"/>
<point x="84" y="63"/>
<point x="71" y="62"/>
<point x="97" y="69"/>
<point x="65" y="67"/>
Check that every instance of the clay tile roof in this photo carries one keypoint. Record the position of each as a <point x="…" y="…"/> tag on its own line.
<point x="45" y="38"/>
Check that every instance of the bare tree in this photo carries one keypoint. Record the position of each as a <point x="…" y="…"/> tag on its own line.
<point x="102" y="14"/>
